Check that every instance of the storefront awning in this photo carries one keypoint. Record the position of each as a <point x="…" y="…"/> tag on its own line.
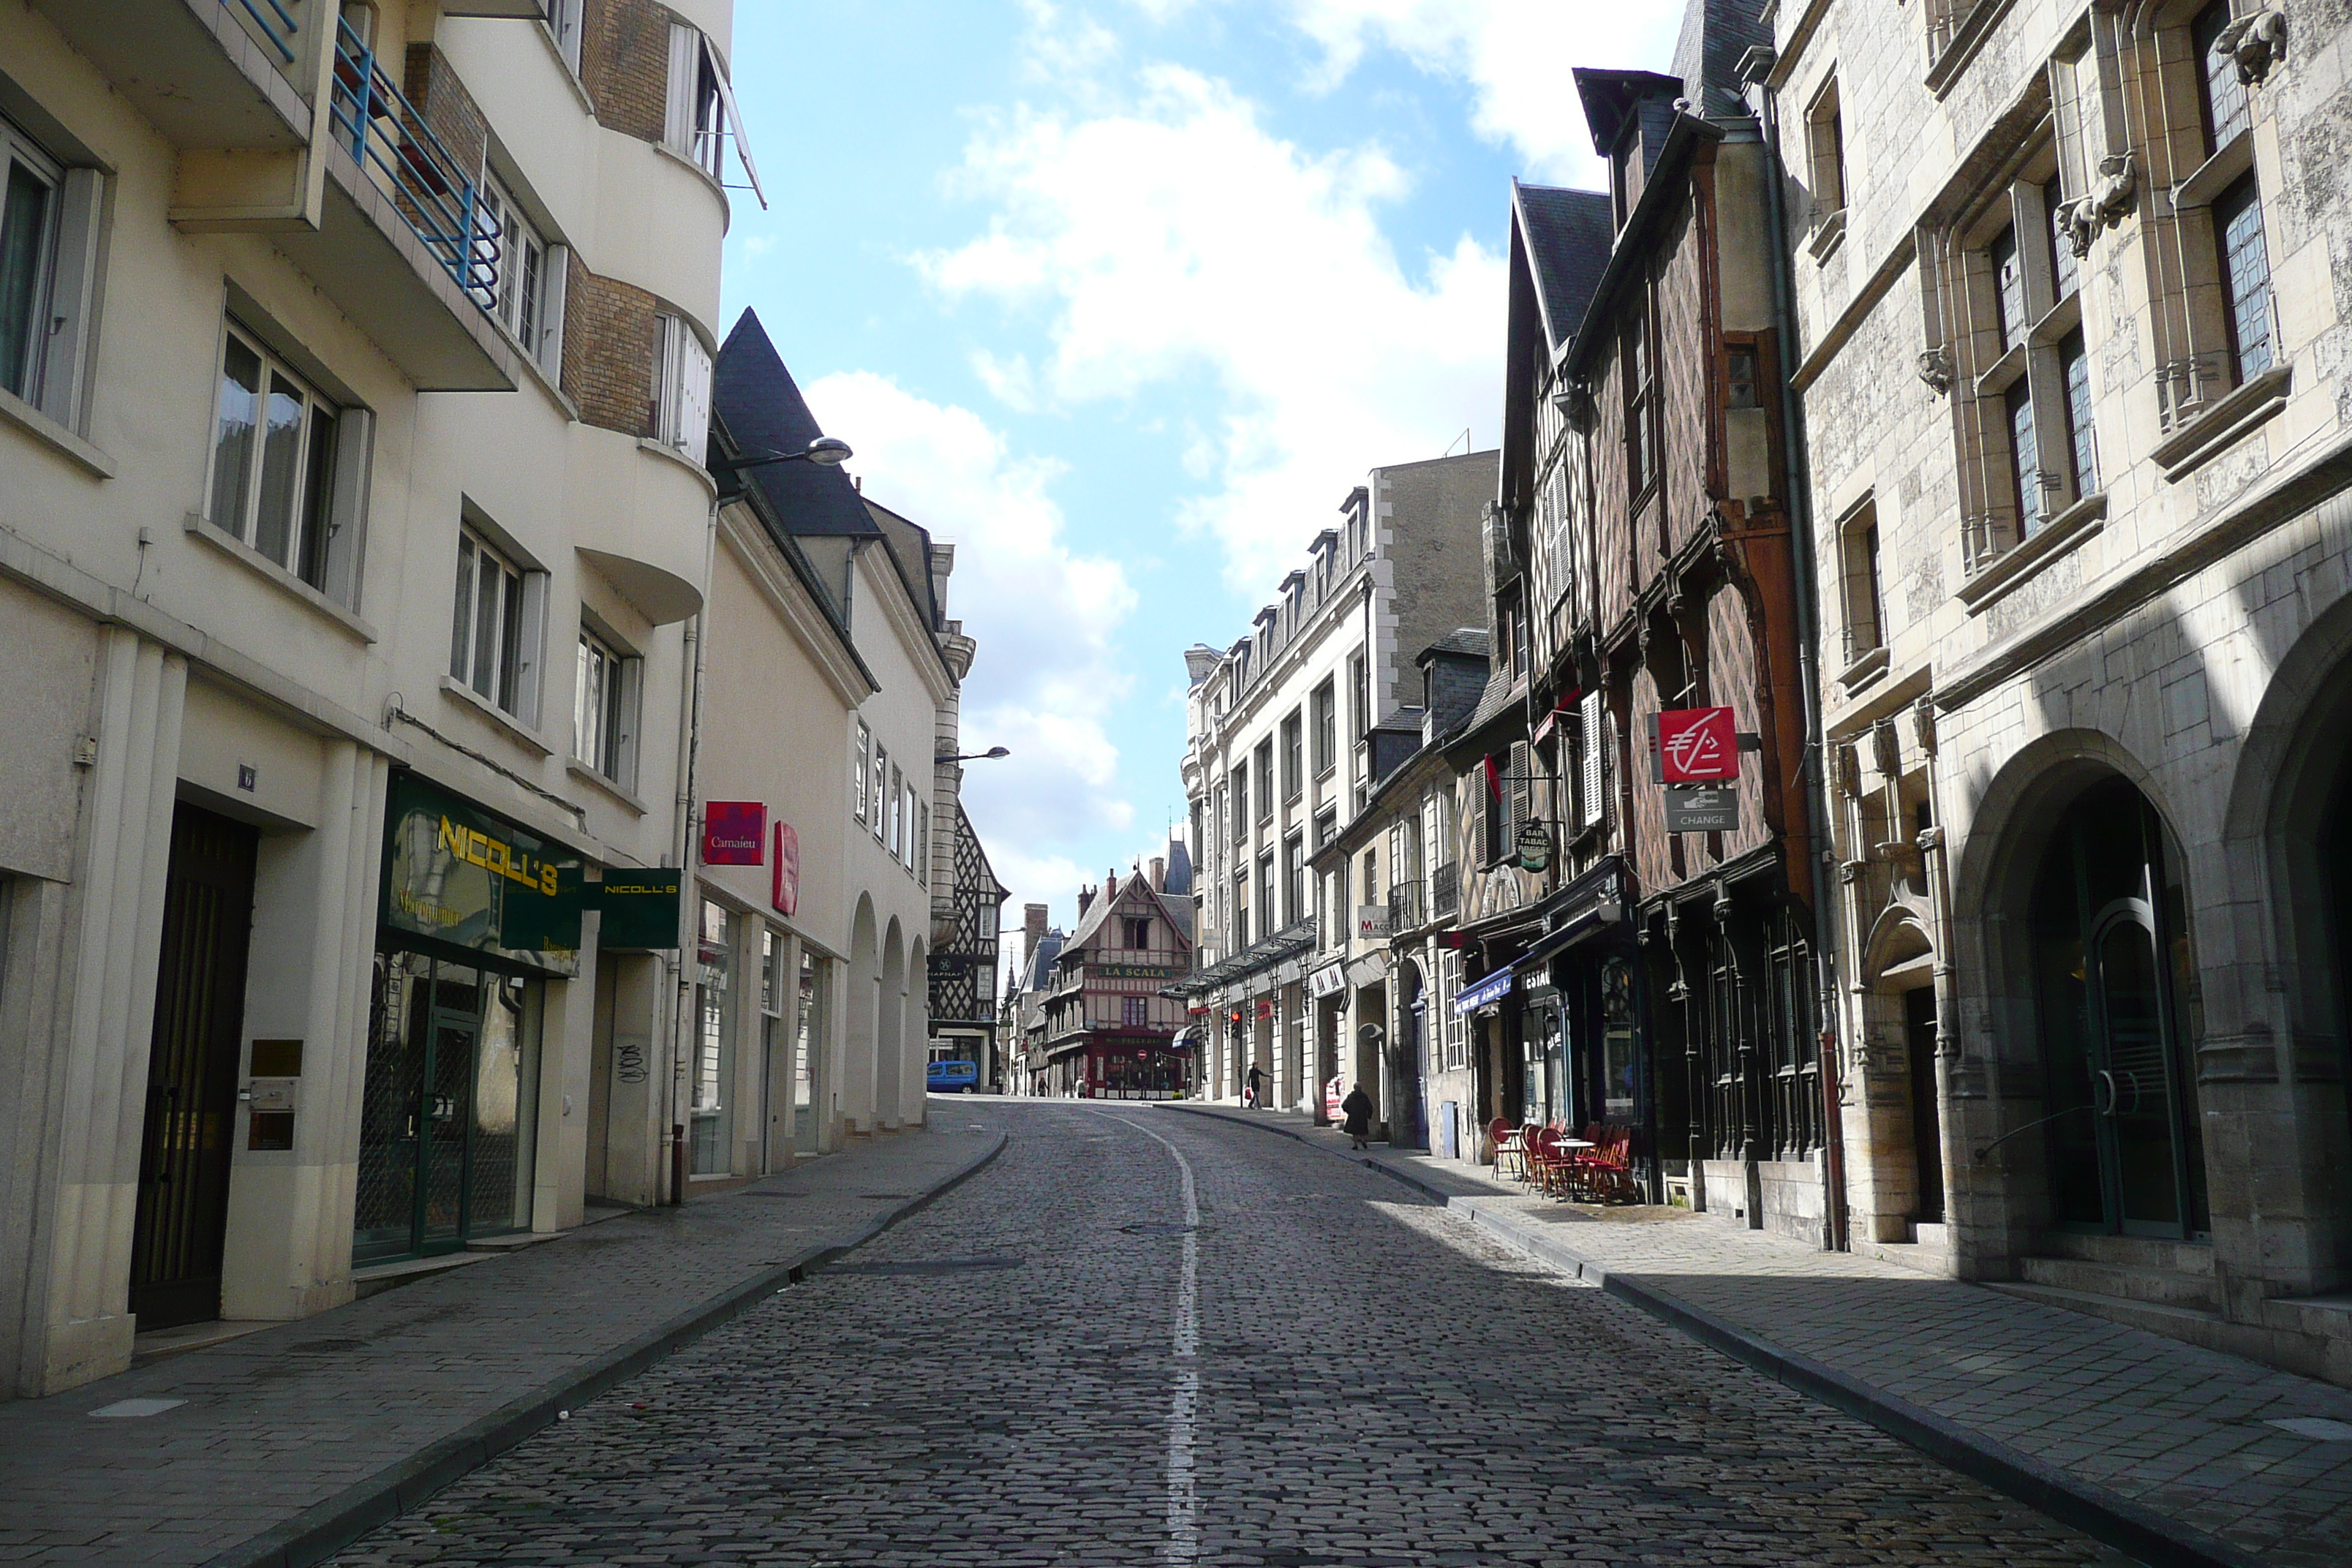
<point x="1492" y="989"/>
<point x="1591" y="922"/>
<point x="1328" y="981"/>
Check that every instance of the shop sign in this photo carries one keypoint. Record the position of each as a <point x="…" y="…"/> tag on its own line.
<point x="1493" y="988"/>
<point x="733" y="832"/>
<point x="786" y="895"/>
<point x="1135" y="970"/>
<point x="1697" y="745"/>
<point x="458" y="874"/>
<point x="1328" y="981"/>
<point x="642" y="907"/>
<point x="1702" y="810"/>
<point x="1534" y="846"/>
<point x="1372" y="922"/>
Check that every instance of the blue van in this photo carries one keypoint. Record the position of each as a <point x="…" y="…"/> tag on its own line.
<point x="953" y="1078"/>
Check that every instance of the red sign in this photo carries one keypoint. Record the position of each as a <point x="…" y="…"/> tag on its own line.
<point x="734" y="832"/>
<point x="1697" y="745"/>
<point x="787" y="895"/>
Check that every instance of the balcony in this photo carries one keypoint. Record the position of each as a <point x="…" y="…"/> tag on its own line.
<point x="401" y="242"/>
<point x="1404" y="905"/>
<point x="223" y="75"/>
<point x="1445" y="891"/>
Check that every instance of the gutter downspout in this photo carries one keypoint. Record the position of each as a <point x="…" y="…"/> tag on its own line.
<point x="689" y="733"/>
<point x="1834" y="1230"/>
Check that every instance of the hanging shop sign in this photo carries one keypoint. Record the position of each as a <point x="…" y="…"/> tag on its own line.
<point x="733" y="832"/>
<point x="1700" y="810"/>
<point x="1534" y="846"/>
<point x="1328" y="981"/>
<point x="456" y="874"/>
<point x="1493" y="988"/>
<point x="1372" y="922"/>
<point x="642" y="907"/>
<point x="786" y="895"/>
<point x="1697" y="745"/>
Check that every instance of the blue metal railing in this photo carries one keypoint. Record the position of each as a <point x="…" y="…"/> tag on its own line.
<point x="279" y="26"/>
<point x="380" y="127"/>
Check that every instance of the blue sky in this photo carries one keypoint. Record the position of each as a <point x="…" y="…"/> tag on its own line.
<point x="1123" y="296"/>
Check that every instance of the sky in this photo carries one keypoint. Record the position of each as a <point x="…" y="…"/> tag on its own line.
<point x="1122" y="298"/>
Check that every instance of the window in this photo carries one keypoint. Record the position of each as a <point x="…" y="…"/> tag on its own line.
<point x="922" y="839"/>
<point x="681" y="391"/>
<point x="1265" y="780"/>
<point x="1294" y="780"/>
<point x="2246" y="277"/>
<point x="604" y="709"/>
<point x="713" y="1061"/>
<point x="2221" y="96"/>
<point x="1327" y="827"/>
<point x="1371" y="883"/>
<point x="1138" y="934"/>
<point x="857" y="763"/>
<point x="1269" y="913"/>
<point x="275" y="445"/>
<point x="2024" y="455"/>
<point x="1641" y="404"/>
<point x="1511" y="620"/>
<point x="493" y="645"/>
<point x="893" y="840"/>
<point x="2065" y="270"/>
<point x="1739" y="387"/>
<point x="1241" y="916"/>
<point x="694" y="126"/>
<point x="1241" y="808"/>
<point x="1325" y="745"/>
<point x="878" y="793"/>
<point x="1294" y="878"/>
<point x="2008" y="288"/>
<point x="1134" y="1012"/>
<point x="563" y="19"/>
<point x="49" y="274"/>
<point x="2074" y="374"/>
<point x="1825" y="135"/>
<point x="1865" y="623"/>
<point x="526" y="299"/>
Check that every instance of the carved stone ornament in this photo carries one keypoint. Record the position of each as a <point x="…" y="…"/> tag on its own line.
<point x="2110" y="197"/>
<point x="2257" y="41"/>
<point x="1935" y="369"/>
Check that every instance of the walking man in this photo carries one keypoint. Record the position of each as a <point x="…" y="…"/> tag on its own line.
<point x="1257" y="1086"/>
<point x="1358" y="1108"/>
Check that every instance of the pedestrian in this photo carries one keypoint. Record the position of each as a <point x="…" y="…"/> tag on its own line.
<point x="1253" y="1096"/>
<point x="1358" y="1108"/>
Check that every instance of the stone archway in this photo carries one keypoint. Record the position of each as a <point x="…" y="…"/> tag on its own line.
<point x="890" y="1032"/>
<point x="1896" y="1172"/>
<point x="917" y="1024"/>
<point x="861" y="1013"/>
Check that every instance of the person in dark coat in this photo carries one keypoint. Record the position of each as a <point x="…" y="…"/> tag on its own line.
<point x="1257" y="1096"/>
<point x="1358" y="1108"/>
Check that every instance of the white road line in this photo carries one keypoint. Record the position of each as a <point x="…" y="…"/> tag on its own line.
<point x="1184" y="1406"/>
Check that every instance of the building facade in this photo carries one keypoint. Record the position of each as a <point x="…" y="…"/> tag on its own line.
<point x="2071" y="367"/>
<point x="1284" y="742"/>
<point x="1109" y="1029"/>
<point x="327" y="329"/>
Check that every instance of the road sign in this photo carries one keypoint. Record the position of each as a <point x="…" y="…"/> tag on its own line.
<point x="1697" y="745"/>
<point x="1702" y="810"/>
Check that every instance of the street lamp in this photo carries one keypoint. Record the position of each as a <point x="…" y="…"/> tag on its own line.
<point x="989" y="756"/>
<point x="825" y="451"/>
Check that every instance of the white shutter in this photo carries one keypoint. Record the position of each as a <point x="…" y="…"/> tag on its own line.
<point x="685" y="63"/>
<point x="549" y="349"/>
<point x="693" y="393"/>
<point x="1591" y="786"/>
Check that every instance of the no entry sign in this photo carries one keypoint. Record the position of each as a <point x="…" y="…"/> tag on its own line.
<point x="1697" y="745"/>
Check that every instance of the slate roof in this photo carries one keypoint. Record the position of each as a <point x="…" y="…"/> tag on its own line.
<point x="764" y="411"/>
<point x="1714" y="34"/>
<point x="1472" y="640"/>
<point x="1041" y="960"/>
<point x="1179" y="869"/>
<point x="1099" y="911"/>
<point x="1567" y="235"/>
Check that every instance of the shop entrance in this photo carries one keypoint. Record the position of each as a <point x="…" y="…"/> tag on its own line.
<point x="192" y="1071"/>
<point x="446" y="1125"/>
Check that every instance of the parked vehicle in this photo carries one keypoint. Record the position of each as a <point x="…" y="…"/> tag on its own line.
<point x="953" y="1078"/>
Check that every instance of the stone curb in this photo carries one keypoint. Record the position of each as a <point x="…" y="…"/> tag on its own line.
<point x="325" y="1528"/>
<point x="2148" y="1536"/>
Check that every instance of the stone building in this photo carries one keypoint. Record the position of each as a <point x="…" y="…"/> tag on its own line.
<point x="2071" y="351"/>
<point x="1022" y="1027"/>
<point x="1284" y="742"/>
<point x="354" y="375"/>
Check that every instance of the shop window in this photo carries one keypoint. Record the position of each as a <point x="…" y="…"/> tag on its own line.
<point x="859" y="759"/>
<point x="494" y="646"/>
<point x="527" y="298"/>
<point x="808" y="1034"/>
<point x="681" y="390"/>
<point x="49" y="274"/>
<point x="288" y="468"/>
<point x="604" y="708"/>
<point x="708" y="1128"/>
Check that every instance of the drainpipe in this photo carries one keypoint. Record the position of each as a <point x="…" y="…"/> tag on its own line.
<point x="689" y="736"/>
<point x="1753" y="67"/>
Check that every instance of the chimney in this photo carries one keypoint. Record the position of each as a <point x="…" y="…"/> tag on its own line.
<point x="1158" y="874"/>
<point x="1033" y="930"/>
<point x="1111" y="883"/>
<point x="1085" y="898"/>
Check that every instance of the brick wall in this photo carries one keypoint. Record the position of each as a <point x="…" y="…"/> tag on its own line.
<point x="609" y="343"/>
<point x="448" y="109"/>
<point x="624" y="64"/>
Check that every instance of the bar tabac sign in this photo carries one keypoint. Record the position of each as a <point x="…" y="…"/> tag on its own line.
<point x="455" y="873"/>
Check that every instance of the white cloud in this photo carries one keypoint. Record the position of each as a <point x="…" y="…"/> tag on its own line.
<point x="1046" y="676"/>
<point x="1509" y="52"/>
<point x="1177" y="237"/>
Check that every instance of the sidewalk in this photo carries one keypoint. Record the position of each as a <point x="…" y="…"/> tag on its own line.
<point x="281" y="1446"/>
<point x="2173" y="1453"/>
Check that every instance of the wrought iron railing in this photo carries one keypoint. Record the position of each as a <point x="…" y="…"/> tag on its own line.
<point x="1444" y="891"/>
<point x="388" y="136"/>
<point x="1404" y="905"/>
<point x="275" y="23"/>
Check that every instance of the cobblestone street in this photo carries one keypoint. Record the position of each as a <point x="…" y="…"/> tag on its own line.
<point x="997" y="1381"/>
